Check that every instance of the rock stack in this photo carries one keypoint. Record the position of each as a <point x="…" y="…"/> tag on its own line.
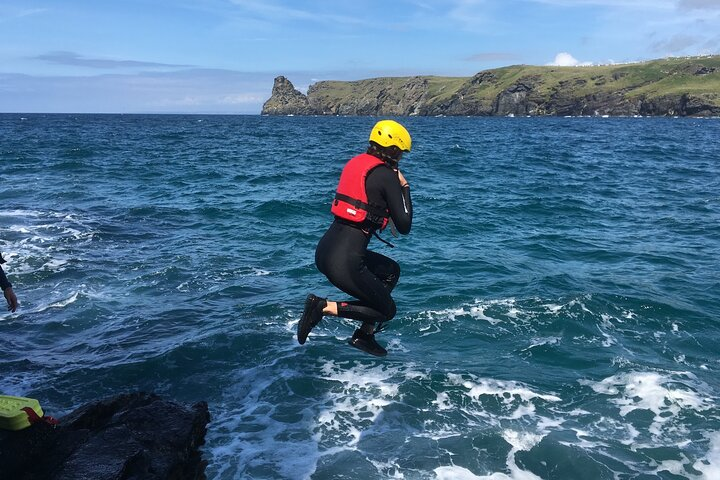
<point x="286" y="100"/>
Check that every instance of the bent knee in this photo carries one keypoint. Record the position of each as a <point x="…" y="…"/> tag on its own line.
<point x="389" y="311"/>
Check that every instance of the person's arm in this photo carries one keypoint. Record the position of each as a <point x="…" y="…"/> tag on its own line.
<point x="399" y="201"/>
<point x="7" y="290"/>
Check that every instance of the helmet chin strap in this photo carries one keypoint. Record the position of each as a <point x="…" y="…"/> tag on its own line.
<point x="384" y="155"/>
<point x="392" y="163"/>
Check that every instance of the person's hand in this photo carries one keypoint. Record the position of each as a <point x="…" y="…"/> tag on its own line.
<point x="11" y="299"/>
<point x="401" y="177"/>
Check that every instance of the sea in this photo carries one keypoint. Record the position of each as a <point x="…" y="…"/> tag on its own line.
<point x="558" y="307"/>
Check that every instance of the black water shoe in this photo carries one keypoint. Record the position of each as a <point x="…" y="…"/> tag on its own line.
<point x="366" y="342"/>
<point x="312" y="315"/>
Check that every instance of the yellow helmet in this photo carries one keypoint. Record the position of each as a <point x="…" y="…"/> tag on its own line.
<point x="387" y="133"/>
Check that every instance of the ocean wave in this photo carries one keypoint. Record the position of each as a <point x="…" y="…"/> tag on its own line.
<point x="556" y="311"/>
<point x="666" y="396"/>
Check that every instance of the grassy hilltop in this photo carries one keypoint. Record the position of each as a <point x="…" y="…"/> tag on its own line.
<point x="674" y="86"/>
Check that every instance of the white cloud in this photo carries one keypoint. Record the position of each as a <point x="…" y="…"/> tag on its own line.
<point x="634" y="4"/>
<point x="676" y="44"/>
<point x="185" y="91"/>
<point x="211" y="101"/>
<point x="11" y="13"/>
<point x="471" y="14"/>
<point x="241" y="98"/>
<point x="699" y="4"/>
<point x="186" y="101"/>
<point x="564" y="59"/>
<point x="77" y="60"/>
<point x="282" y="13"/>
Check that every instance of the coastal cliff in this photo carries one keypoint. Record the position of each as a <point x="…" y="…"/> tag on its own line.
<point x="286" y="100"/>
<point x="668" y="87"/>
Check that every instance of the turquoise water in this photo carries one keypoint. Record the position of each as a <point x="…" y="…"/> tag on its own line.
<point x="558" y="310"/>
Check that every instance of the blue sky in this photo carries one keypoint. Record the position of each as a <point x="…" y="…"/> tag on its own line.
<point x="220" y="56"/>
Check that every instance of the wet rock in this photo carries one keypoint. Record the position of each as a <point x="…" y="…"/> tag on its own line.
<point x="127" y="437"/>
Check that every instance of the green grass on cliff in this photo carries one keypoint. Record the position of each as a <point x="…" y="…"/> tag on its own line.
<point x="439" y="86"/>
<point x="654" y="79"/>
<point x="657" y="78"/>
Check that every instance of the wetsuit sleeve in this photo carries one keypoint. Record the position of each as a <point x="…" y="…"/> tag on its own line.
<point x="383" y="188"/>
<point x="399" y="203"/>
<point x="4" y="283"/>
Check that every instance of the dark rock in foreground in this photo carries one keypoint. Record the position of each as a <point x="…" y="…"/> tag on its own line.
<point x="132" y="436"/>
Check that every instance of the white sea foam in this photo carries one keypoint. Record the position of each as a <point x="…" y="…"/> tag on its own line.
<point x="478" y="311"/>
<point x="39" y="241"/>
<point x="448" y="314"/>
<point x="539" y="342"/>
<point x="19" y="384"/>
<point x="442" y="401"/>
<point x="356" y="398"/>
<point x="609" y="339"/>
<point x="55" y="264"/>
<point x="62" y="302"/>
<point x="249" y="436"/>
<point x="676" y="467"/>
<point x="506" y="311"/>
<point x="709" y="466"/>
<point x="594" y="436"/>
<point x="395" y="345"/>
<point x="457" y="473"/>
<point x="507" y="391"/>
<point x="519" y="441"/>
<point x="553" y="308"/>
<point x="429" y="330"/>
<point x="360" y="399"/>
<point x="21" y="213"/>
<point x="65" y="302"/>
<point x="356" y="395"/>
<point x="353" y="408"/>
<point x="666" y="396"/>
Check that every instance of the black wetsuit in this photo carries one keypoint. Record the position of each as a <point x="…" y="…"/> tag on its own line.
<point x="4" y="283"/>
<point x="342" y="254"/>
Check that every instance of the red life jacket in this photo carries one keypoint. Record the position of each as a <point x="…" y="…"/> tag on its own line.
<point x="351" y="198"/>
